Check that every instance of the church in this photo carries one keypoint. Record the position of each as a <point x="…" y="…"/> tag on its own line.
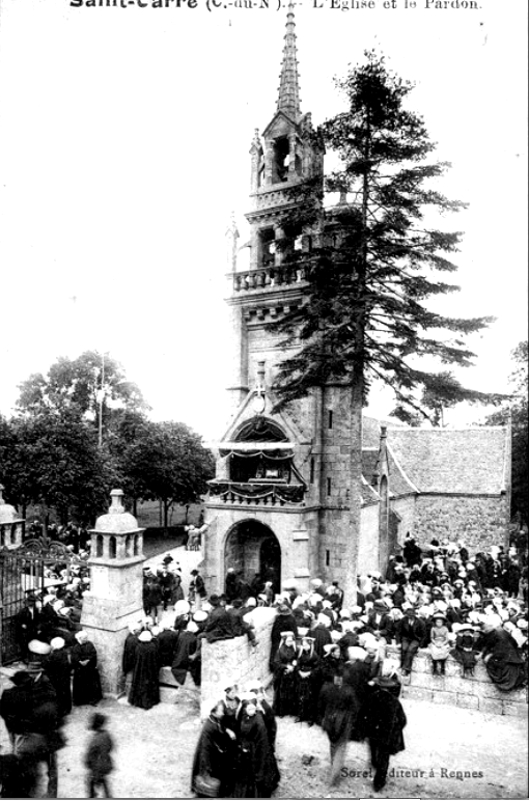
<point x="279" y="503"/>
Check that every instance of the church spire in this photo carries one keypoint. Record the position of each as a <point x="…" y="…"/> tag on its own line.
<point x="288" y="100"/>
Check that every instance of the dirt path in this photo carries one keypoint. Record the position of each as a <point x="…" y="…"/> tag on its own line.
<point x="154" y="751"/>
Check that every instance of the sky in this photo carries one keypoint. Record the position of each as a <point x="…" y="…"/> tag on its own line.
<point x="124" y="150"/>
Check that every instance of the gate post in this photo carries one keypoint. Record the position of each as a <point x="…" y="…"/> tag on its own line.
<point x="11" y="525"/>
<point x="116" y="584"/>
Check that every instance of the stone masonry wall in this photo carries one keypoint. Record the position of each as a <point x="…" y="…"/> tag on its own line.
<point x="405" y="508"/>
<point x="479" y="521"/>
<point x="235" y="661"/>
<point x="369" y="543"/>
<point x="477" y="692"/>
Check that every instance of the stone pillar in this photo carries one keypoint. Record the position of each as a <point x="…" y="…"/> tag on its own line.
<point x="11" y="525"/>
<point x="116" y="587"/>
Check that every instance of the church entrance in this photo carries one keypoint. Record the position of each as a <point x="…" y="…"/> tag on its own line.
<point x="253" y="550"/>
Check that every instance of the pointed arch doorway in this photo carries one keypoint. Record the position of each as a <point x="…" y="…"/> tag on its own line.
<point x="252" y="547"/>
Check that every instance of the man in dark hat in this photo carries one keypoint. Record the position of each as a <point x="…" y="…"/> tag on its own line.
<point x="411" y="634"/>
<point x="378" y="620"/>
<point x="382" y="720"/>
<point x="27" y="624"/>
<point x="197" y="589"/>
<point x="43" y="737"/>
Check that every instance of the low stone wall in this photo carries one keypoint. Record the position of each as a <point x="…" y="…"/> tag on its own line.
<point x="477" y="692"/>
<point x="236" y="661"/>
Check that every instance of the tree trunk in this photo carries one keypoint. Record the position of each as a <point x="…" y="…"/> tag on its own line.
<point x="165" y="515"/>
<point x="135" y="507"/>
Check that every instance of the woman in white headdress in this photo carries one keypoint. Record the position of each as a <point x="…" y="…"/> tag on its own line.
<point x="284" y="675"/>
<point x="307" y="684"/>
<point x="144" y="690"/>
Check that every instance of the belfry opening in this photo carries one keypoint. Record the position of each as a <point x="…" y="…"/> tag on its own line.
<point x="252" y="548"/>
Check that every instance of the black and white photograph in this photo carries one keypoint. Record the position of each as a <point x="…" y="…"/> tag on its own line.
<point x="264" y="522"/>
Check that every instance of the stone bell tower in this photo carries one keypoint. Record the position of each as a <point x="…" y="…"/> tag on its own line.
<point x="265" y="500"/>
<point x="115" y="597"/>
<point x="280" y="504"/>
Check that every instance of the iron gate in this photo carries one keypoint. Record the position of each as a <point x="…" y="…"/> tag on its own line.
<point x="24" y="570"/>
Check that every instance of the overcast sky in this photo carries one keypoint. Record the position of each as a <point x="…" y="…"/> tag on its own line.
<point x="124" y="139"/>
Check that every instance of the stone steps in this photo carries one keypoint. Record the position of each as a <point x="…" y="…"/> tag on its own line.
<point x="452" y="689"/>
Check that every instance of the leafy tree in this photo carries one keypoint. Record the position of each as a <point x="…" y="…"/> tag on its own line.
<point x="443" y="392"/>
<point x="165" y="461"/>
<point x="54" y="461"/>
<point x="374" y="264"/>
<point x="516" y="412"/>
<point x="90" y="385"/>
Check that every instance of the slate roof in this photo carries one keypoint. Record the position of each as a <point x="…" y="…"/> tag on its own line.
<point x="369" y="495"/>
<point x="399" y="483"/>
<point x="470" y="461"/>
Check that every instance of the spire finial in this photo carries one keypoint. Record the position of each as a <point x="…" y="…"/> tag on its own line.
<point x="288" y="100"/>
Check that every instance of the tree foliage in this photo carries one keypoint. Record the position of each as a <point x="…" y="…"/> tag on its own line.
<point x="163" y="460"/>
<point x="443" y="392"/>
<point x="83" y="386"/>
<point x="375" y="262"/>
<point x="53" y="460"/>
<point x="50" y="452"/>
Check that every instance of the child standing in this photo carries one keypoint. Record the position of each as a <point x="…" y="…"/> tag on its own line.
<point x="439" y="643"/>
<point x="98" y="758"/>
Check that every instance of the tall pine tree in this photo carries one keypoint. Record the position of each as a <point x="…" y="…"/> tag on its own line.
<point x="373" y="264"/>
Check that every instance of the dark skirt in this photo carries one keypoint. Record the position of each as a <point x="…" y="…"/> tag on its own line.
<point x="86" y="685"/>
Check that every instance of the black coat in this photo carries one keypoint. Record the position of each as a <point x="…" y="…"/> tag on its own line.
<point x="257" y="774"/>
<point x="167" y="640"/>
<point x="382" y="626"/>
<point x="15" y="709"/>
<point x="412" y="629"/>
<point x="86" y="681"/>
<point x="186" y="648"/>
<point x="322" y="636"/>
<point x="129" y="652"/>
<point x="281" y="623"/>
<point x="144" y="690"/>
<point x="505" y="666"/>
<point x="339" y="709"/>
<point x="382" y="719"/>
<point x="219" y="625"/>
<point x="212" y="755"/>
<point x="58" y="669"/>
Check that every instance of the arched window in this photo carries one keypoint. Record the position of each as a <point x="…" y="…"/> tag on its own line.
<point x="112" y="547"/>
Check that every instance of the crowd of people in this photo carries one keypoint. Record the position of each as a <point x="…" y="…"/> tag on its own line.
<point x="57" y="676"/>
<point x="69" y="534"/>
<point x="332" y="667"/>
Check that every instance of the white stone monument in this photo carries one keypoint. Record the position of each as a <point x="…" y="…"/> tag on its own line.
<point x="116" y="585"/>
